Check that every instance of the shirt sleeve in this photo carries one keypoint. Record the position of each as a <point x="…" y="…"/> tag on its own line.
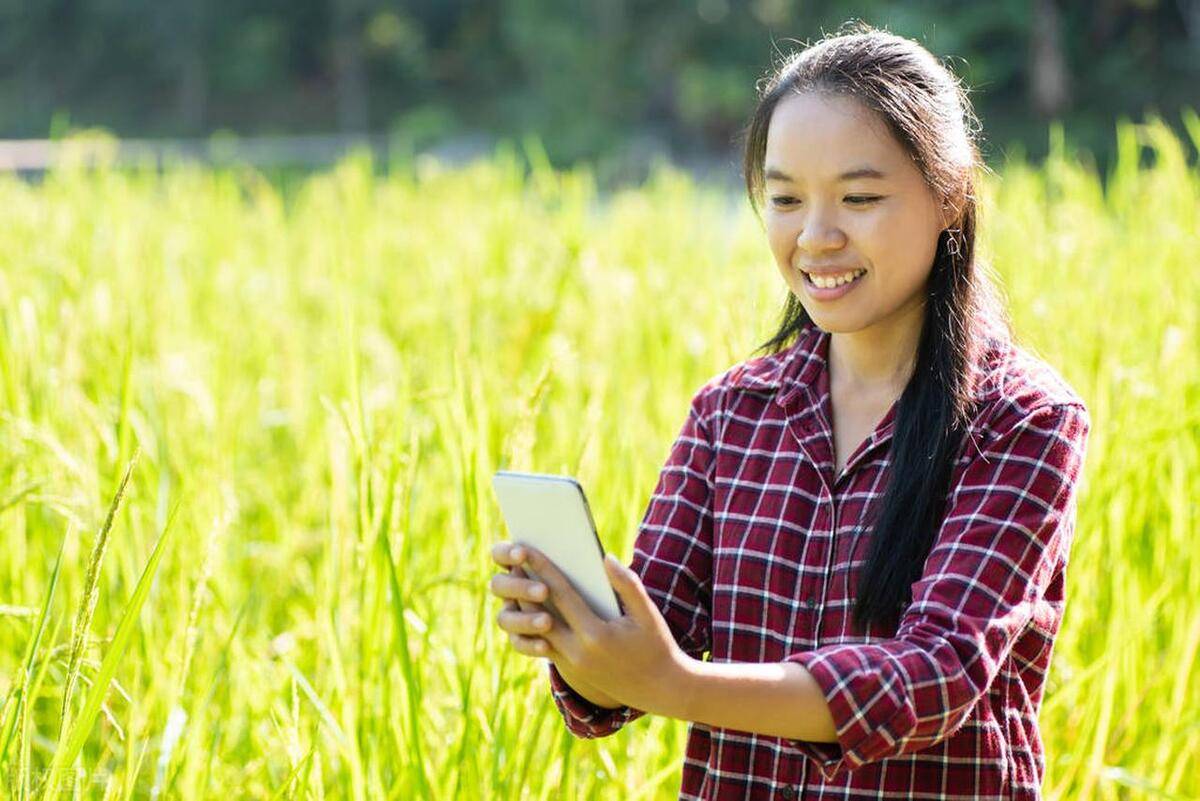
<point x="583" y="718"/>
<point x="1008" y="525"/>
<point x="673" y="556"/>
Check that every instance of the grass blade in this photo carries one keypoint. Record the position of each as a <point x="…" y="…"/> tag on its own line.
<point x="83" y="619"/>
<point x="65" y="755"/>
<point x="30" y="652"/>
<point x="411" y="679"/>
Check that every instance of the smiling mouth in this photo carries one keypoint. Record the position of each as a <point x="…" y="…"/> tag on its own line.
<point x="832" y="282"/>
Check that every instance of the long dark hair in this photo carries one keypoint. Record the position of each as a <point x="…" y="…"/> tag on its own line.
<point x="928" y="112"/>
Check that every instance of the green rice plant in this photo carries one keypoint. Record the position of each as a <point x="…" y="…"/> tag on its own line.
<point x="320" y="382"/>
<point x="83" y="619"/>
<point x="70" y="745"/>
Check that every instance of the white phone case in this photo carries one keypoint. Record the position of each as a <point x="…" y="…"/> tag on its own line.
<point x="551" y="514"/>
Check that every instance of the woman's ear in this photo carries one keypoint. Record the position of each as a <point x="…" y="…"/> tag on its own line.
<point x="953" y="204"/>
<point x="951" y="212"/>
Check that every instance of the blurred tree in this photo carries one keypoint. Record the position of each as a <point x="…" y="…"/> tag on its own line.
<point x="1048" y="79"/>
<point x="349" y="70"/>
<point x="592" y="77"/>
<point x="180" y="28"/>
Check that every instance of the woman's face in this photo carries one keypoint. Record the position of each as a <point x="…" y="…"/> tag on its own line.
<point x="844" y="198"/>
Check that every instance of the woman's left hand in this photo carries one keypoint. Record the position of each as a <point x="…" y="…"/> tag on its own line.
<point x="633" y="658"/>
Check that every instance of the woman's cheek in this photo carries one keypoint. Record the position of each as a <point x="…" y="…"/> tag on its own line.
<point x="780" y="238"/>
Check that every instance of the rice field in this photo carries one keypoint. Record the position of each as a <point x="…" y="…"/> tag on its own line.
<point x="246" y="441"/>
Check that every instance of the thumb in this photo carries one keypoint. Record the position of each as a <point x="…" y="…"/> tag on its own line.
<point x="629" y="588"/>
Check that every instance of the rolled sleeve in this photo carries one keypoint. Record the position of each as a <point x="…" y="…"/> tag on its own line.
<point x="673" y="556"/>
<point x="582" y="717"/>
<point x="1008" y="527"/>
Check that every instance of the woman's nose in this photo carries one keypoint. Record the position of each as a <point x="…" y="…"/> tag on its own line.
<point x="820" y="232"/>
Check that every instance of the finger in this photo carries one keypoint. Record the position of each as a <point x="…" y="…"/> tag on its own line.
<point x="555" y="633"/>
<point x="508" y="553"/>
<point x="518" y="606"/>
<point x="630" y="590"/>
<point x="506" y="586"/>
<point x="515" y="621"/>
<point x="526" y="606"/>
<point x="502" y="553"/>
<point x="570" y="605"/>
<point x="531" y="646"/>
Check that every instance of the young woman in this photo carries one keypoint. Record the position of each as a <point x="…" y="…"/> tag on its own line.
<point x="867" y="528"/>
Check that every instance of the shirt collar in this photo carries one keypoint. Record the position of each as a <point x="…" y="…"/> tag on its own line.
<point x="801" y="364"/>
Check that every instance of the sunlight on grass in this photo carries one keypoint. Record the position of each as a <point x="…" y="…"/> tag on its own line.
<point x="321" y="385"/>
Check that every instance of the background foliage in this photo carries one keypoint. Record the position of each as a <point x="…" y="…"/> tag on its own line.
<point x="597" y="79"/>
<point x="292" y="599"/>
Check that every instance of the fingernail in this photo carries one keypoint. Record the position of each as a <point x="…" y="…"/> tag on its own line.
<point x="541" y="620"/>
<point x="518" y="553"/>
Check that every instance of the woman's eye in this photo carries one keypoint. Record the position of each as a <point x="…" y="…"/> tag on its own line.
<point x="857" y="200"/>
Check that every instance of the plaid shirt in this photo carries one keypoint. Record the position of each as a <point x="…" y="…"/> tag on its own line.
<point x="751" y="547"/>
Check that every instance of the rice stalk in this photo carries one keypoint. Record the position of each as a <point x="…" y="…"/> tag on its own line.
<point x="68" y="750"/>
<point x="91" y="583"/>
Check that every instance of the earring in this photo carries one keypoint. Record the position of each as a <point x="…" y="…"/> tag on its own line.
<point x="953" y="246"/>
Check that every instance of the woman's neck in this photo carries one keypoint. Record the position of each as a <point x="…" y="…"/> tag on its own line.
<point x="876" y="360"/>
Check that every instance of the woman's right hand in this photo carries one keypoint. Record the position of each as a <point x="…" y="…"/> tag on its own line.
<point x="525" y="619"/>
<point x="522" y="615"/>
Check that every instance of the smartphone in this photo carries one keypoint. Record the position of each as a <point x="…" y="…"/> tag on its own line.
<point x="551" y="513"/>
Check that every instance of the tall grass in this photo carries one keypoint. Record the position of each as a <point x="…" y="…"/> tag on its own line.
<point x="320" y="386"/>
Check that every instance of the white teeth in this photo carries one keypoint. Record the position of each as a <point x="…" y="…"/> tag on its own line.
<point x="831" y="282"/>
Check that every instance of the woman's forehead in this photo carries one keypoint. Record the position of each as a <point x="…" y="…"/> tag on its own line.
<point x="829" y="137"/>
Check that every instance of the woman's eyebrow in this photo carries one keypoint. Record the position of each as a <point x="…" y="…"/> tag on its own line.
<point x="775" y="174"/>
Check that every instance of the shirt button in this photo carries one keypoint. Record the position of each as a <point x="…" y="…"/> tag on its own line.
<point x="788" y="792"/>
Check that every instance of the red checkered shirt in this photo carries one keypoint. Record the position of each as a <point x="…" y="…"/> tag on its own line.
<point x="752" y="547"/>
